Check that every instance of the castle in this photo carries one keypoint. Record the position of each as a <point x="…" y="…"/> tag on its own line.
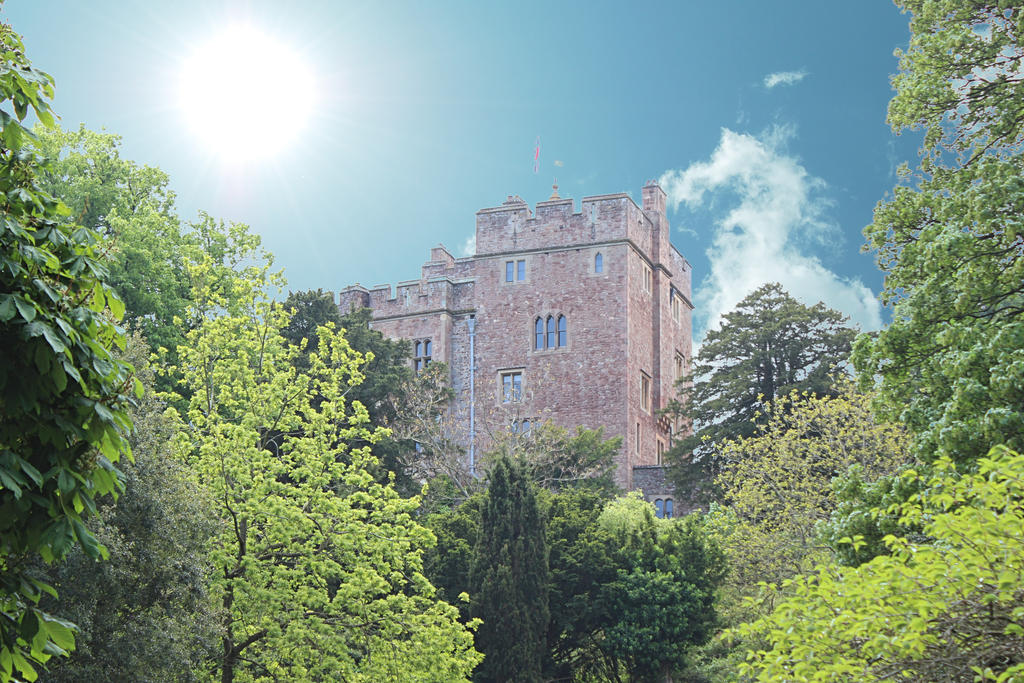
<point x="581" y="317"/>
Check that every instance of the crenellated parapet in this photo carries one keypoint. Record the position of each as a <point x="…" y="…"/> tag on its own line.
<point x="412" y="297"/>
<point x="555" y="223"/>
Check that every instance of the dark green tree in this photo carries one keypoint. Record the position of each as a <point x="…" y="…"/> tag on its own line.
<point x="509" y="578"/>
<point x="143" y="614"/>
<point x="769" y="346"/>
<point x="63" y="392"/>
<point x="632" y="594"/>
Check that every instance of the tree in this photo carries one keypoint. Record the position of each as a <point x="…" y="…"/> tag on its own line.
<point x="660" y="605"/>
<point x="769" y="346"/>
<point x="949" y="609"/>
<point x="63" y="393"/>
<point x="951" y="364"/>
<point x="317" y="566"/>
<point x="509" y="578"/>
<point x="143" y="614"/>
<point x="132" y="208"/>
<point x="777" y="483"/>
<point x="556" y="459"/>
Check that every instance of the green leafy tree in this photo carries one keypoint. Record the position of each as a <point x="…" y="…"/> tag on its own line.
<point x="660" y="605"/>
<point x="509" y="578"/>
<point x="951" y="609"/>
<point x="317" y="567"/>
<point x="132" y="208"/>
<point x="951" y="364"/>
<point x="777" y="483"/>
<point x="769" y="346"/>
<point x="557" y="459"/>
<point x="63" y="393"/>
<point x="143" y="614"/>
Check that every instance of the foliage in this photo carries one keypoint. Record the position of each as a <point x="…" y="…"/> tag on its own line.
<point x="661" y="602"/>
<point x="769" y="346"/>
<point x="62" y="392"/>
<point x="951" y="364"/>
<point x="132" y="208"/>
<point x="142" y="614"/>
<point x="310" y="310"/>
<point x="509" y="578"/>
<point x="778" y="482"/>
<point x="557" y="459"/>
<point x="317" y="566"/>
<point x="952" y="609"/>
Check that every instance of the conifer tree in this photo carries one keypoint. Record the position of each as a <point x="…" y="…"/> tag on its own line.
<point x="509" y="578"/>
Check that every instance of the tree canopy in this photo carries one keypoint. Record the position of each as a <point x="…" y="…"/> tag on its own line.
<point x="317" y="566"/>
<point x="951" y="364"/>
<point x="63" y="391"/>
<point x="509" y="577"/>
<point x="769" y="346"/>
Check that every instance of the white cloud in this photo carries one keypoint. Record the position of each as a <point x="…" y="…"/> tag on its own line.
<point x="763" y="238"/>
<point x="469" y="246"/>
<point x="784" y="78"/>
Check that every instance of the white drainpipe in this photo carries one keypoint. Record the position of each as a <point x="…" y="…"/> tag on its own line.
<point x="472" y="396"/>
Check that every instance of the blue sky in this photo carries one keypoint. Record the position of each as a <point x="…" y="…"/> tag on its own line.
<point x="764" y="121"/>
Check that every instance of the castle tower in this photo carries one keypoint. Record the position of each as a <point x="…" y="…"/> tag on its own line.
<point x="578" y="317"/>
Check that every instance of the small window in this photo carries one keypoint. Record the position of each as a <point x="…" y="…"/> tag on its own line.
<point x="645" y="392"/>
<point x="538" y="333"/>
<point x="521" y="426"/>
<point x="512" y="386"/>
<point x="680" y="366"/>
<point x="637" y="437"/>
<point x="551" y="332"/>
<point x="647" y="278"/>
<point x="598" y="263"/>
<point x="421" y="357"/>
<point x="520" y="270"/>
<point x="509" y="270"/>
<point x="563" y="334"/>
<point x="677" y="303"/>
<point x="659" y="508"/>
<point x="661" y="452"/>
<point x="668" y="508"/>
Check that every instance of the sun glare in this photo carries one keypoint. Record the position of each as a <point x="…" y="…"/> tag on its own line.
<point x="246" y="95"/>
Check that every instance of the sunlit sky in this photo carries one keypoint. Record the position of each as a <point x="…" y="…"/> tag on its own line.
<point x="384" y="126"/>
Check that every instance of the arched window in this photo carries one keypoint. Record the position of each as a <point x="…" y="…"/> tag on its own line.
<point x="598" y="263"/>
<point x="538" y="329"/>
<point x="668" y="508"/>
<point x="551" y="332"/>
<point x="562" y="332"/>
<point x="659" y="508"/>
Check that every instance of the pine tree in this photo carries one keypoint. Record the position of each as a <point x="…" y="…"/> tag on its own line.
<point x="509" y="578"/>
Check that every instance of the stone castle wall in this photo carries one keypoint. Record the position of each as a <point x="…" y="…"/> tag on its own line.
<point x="619" y="327"/>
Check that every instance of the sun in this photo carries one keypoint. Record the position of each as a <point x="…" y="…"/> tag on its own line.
<point x="245" y="95"/>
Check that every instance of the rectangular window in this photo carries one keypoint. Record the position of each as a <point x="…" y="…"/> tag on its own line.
<point x="677" y="304"/>
<point x="520" y="270"/>
<point x="680" y="366"/>
<point x="637" y="437"/>
<point x="512" y="386"/>
<point x="647" y="278"/>
<point x="645" y="392"/>
<point x="509" y="270"/>
<point x="661" y="452"/>
<point x="421" y="354"/>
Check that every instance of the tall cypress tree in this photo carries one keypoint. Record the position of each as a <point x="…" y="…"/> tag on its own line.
<point x="509" y="578"/>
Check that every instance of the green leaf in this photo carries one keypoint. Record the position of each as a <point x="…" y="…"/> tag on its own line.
<point x="6" y="307"/>
<point x="26" y="309"/>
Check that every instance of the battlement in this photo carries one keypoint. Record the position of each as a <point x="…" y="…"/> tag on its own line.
<point x="410" y="297"/>
<point x="555" y="223"/>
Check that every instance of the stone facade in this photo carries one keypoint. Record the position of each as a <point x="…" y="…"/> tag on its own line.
<point x="608" y="270"/>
